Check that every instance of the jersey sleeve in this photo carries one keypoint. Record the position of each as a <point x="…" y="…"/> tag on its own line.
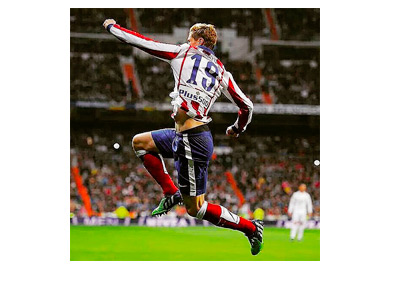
<point x="163" y="51"/>
<point x="232" y="91"/>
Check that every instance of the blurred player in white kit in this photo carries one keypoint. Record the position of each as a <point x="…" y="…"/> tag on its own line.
<point x="299" y="206"/>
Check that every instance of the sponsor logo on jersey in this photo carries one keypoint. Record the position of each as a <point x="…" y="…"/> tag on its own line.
<point x="194" y="95"/>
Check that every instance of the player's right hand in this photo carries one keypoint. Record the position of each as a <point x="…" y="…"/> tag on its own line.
<point x="108" y="22"/>
<point x="231" y="132"/>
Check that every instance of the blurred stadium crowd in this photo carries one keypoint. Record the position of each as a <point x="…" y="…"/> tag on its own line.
<point x="294" y="24"/>
<point x="279" y="75"/>
<point x="266" y="169"/>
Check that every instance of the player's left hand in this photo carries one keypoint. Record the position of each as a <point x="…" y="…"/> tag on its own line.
<point x="231" y="132"/>
<point x="108" y="22"/>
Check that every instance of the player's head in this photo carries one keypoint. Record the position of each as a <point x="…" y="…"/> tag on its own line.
<point x="203" y="34"/>
<point x="302" y="187"/>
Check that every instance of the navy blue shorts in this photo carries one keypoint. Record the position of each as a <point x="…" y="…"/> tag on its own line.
<point x="192" y="151"/>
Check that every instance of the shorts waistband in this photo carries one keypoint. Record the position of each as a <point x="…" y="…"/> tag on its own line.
<point x="198" y="129"/>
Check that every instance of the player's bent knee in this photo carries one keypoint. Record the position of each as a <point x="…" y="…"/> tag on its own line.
<point x="136" y="142"/>
<point x="143" y="141"/>
<point x="140" y="142"/>
<point x="133" y="143"/>
<point x="139" y="145"/>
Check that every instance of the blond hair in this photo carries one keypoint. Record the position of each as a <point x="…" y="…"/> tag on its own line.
<point x="205" y="31"/>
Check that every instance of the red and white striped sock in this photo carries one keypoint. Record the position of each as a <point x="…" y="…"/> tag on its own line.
<point x="154" y="164"/>
<point x="220" y="216"/>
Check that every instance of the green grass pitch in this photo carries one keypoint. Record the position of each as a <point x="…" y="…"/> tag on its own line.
<point x="133" y="243"/>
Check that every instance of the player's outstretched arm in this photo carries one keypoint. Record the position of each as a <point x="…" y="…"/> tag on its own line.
<point x="162" y="51"/>
<point x="232" y="91"/>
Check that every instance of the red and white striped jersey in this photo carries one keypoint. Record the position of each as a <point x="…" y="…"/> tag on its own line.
<point x="200" y="77"/>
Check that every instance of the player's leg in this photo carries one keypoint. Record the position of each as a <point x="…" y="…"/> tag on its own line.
<point x="151" y="152"/>
<point x="218" y="215"/>
<point x="293" y="230"/>
<point x="300" y="231"/>
<point x="294" y="226"/>
<point x="193" y="155"/>
<point x="302" y="226"/>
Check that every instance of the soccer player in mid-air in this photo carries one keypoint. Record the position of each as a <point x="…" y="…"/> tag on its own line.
<point x="200" y="78"/>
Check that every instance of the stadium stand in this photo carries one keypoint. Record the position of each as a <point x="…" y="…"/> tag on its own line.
<point x="89" y="20"/>
<point x="96" y="77"/>
<point x="291" y="81"/>
<point x="266" y="175"/>
<point x="246" y="20"/>
<point x="156" y="79"/>
<point x="298" y="24"/>
<point x="278" y="75"/>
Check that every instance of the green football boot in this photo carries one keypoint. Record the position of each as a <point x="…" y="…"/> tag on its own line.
<point x="166" y="204"/>
<point x="256" y="239"/>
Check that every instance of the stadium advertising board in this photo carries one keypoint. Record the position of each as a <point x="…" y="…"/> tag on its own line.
<point x="168" y="221"/>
